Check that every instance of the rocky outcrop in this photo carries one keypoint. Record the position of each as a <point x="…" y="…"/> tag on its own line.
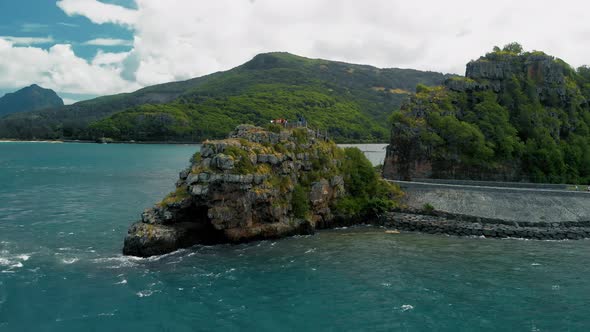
<point x="476" y="127"/>
<point x="495" y="71"/>
<point x="256" y="184"/>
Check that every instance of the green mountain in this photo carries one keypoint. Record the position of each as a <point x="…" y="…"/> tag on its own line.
<point x="31" y="98"/>
<point x="352" y="102"/>
<point x="518" y="116"/>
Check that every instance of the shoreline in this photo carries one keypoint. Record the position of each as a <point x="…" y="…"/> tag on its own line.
<point x="467" y="226"/>
<point x="9" y="140"/>
<point x="94" y="142"/>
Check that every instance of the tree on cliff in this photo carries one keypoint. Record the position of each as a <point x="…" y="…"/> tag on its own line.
<point x="516" y="116"/>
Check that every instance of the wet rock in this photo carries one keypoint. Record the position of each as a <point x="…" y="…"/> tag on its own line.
<point x="146" y="240"/>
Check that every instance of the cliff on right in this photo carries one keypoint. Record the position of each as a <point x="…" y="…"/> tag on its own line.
<point x="515" y="116"/>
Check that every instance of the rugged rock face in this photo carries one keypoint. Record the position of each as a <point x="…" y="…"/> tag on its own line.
<point x="511" y="113"/>
<point x="495" y="72"/>
<point x="256" y="184"/>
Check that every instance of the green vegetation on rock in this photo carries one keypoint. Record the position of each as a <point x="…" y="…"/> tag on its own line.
<point x="181" y="193"/>
<point x="517" y="115"/>
<point x="294" y="181"/>
<point x="369" y="195"/>
<point x="300" y="202"/>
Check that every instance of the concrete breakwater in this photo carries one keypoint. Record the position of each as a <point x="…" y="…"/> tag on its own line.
<point x="437" y="224"/>
<point x="492" y="209"/>
<point x="511" y="204"/>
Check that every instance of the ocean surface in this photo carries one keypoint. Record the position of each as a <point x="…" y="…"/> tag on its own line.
<point x="65" y="209"/>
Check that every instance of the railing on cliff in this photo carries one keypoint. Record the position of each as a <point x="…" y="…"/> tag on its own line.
<point x="320" y="134"/>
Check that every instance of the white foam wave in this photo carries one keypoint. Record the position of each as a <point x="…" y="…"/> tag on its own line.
<point x="12" y="261"/>
<point x="406" y="307"/>
<point x="145" y="293"/>
<point x="70" y="260"/>
<point x="122" y="282"/>
<point x="24" y="257"/>
<point x="118" y="262"/>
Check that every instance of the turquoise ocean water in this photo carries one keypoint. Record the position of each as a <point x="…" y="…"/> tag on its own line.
<point x="65" y="209"/>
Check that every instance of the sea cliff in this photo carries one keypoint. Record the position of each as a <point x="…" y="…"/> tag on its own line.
<point x="515" y="116"/>
<point x="259" y="184"/>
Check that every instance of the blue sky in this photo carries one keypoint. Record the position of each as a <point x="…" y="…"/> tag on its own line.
<point x="88" y="48"/>
<point x="44" y="19"/>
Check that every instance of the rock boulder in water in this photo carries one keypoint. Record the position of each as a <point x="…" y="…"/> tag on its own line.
<point x="256" y="184"/>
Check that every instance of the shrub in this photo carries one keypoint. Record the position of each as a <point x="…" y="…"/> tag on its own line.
<point x="421" y="88"/>
<point x="369" y="195"/>
<point x="378" y="205"/>
<point x="428" y="208"/>
<point x="196" y="158"/>
<point x="300" y="135"/>
<point x="177" y="196"/>
<point x="274" y="128"/>
<point x="243" y="164"/>
<point x="300" y="202"/>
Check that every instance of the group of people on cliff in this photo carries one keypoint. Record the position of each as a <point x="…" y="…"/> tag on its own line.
<point x="301" y="122"/>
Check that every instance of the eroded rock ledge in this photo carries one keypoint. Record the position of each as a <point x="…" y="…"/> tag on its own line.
<point x="260" y="184"/>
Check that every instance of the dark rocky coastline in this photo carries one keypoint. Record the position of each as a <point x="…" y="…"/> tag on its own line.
<point x="462" y="225"/>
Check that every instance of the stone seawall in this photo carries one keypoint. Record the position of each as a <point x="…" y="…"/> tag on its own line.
<point x="433" y="224"/>
<point x="495" y="184"/>
<point x="526" y="205"/>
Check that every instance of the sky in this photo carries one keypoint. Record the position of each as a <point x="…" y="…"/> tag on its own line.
<point x="87" y="48"/>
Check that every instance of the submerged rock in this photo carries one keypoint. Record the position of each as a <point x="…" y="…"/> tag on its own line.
<point x="256" y="184"/>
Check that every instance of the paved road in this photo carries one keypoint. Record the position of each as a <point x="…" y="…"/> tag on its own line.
<point x="486" y="188"/>
<point x="510" y="204"/>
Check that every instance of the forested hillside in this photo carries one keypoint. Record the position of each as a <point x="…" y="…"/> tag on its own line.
<point x="352" y="102"/>
<point x="517" y="115"/>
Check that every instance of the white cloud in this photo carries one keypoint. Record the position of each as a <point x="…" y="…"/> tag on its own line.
<point x="58" y="68"/>
<point x="109" y="42"/>
<point x="33" y="27"/>
<point x="28" y="40"/>
<point x="181" y="39"/>
<point x="105" y="58"/>
<point x="69" y="25"/>
<point x="99" y="12"/>
<point x="68" y="101"/>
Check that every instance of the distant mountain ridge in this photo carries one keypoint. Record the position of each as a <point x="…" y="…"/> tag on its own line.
<point x="31" y="98"/>
<point x="351" y="102"/>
